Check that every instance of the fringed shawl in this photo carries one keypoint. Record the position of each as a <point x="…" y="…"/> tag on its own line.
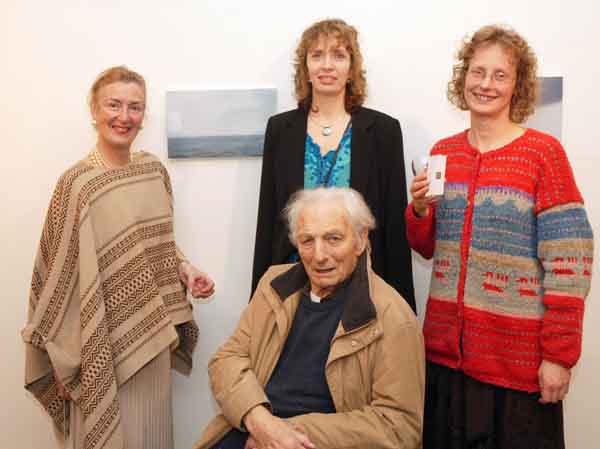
<point x="105" y="293"/>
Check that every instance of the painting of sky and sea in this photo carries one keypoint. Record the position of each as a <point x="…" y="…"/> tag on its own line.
<point x="218" y="123"/>
<point x="548" y="112"/>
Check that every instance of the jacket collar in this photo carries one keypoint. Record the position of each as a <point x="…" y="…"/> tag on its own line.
<point x="294" y="142"/>
<point x="362" y="155"/>
<point x="362" y="120"/>
<point x="358" y="309"/>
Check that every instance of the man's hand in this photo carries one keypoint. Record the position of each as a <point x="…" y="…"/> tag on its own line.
<point x="197" y="282"/>
<point x="554" y="382"/>
<point x="270" y="432"/>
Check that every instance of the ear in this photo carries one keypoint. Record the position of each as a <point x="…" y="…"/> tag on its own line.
<point x="93" y="110"/>
<point x="363" y="240"/>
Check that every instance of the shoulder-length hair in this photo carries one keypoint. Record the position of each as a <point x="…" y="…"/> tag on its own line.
<point x="526" y="90"/>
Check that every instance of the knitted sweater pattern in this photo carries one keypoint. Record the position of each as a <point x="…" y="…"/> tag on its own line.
<point x="512" y="256"/>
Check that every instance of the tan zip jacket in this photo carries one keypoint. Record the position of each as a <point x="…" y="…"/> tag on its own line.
<point x="375" y="369"/>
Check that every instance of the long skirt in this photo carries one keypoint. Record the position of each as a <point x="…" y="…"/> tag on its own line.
<point x="463" y="413"/>
<point x="145" y="406"/>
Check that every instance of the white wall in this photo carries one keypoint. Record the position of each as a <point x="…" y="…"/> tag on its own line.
<point x="51" y="52"/>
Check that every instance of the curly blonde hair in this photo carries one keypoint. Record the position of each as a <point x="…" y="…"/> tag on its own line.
<point x="356" y="89"/>
<point x="111" y="75"/>
<point x="526" y="91"/>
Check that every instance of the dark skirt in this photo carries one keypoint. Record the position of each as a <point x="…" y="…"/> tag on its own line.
<point x="463" y="413"/>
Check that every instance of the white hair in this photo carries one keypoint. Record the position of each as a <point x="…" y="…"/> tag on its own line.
<point x="356" y="208"/>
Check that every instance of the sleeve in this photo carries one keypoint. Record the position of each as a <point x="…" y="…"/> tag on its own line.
<point x="394" y="417"/>
<point x="180" y="256"/>
<point x="51" y="334"/>
<point x="565" y="250"/>
<point x="233" y="381"/>
<point x="398" y="260"/>
<point x="420" y="231"/>
<point x="267" y="213"/>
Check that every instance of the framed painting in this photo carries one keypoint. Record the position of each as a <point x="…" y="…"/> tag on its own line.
<point x="548" y="112"/>
<point x="218" y="122"/>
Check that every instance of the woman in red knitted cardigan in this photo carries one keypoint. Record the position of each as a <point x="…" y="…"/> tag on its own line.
<point x="512" y="252"/>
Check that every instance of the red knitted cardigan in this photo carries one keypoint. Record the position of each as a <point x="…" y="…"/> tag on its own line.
<point x="512" y="256"/>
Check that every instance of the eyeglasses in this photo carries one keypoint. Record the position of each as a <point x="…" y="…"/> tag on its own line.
<point x="116" y="107"/>
<point x="498" y="76"/>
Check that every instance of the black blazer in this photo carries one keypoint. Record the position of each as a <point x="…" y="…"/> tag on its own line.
<point x="376" y="171"/>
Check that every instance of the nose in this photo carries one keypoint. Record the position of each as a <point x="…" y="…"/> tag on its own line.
<point x="328" y="61"/>
<point x="320" y="251"/>
<point x="486" y="81"/>
<point x="124" y="113"/>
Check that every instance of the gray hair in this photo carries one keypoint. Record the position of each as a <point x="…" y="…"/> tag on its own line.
<point x="358" y="212"/>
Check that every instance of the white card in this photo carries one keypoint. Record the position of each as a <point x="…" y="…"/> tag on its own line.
<point x="436" y="175"/>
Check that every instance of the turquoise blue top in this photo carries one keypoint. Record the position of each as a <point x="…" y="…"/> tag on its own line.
<point x="316" y="166"/>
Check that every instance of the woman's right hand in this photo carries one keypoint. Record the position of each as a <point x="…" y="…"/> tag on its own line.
<point x="62" y="391"/>
<point x="418" y="191"/>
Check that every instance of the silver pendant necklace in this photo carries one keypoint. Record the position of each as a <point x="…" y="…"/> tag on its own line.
<point x="326" y="130"/>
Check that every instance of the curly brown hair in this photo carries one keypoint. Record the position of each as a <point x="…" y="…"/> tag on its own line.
<point x="111" y="75"/>
<point x="356" y="89"/>
<point x="525" y="95"/>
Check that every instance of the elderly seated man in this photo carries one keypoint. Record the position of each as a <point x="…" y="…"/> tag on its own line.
<point x="326" y="355"/>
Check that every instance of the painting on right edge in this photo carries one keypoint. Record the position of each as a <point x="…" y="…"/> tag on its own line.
<point x="548" y="112"/>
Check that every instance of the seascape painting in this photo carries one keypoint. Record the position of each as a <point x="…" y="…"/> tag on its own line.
<point x="548" y="112"/>
<point x="218" y="123"/>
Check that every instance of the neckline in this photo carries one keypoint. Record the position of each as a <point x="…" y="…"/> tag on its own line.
<point x="315" y="145"/>
<point x="495" y="150"/>
<point x="95" y="159"/>
<point x="327" y="302"/>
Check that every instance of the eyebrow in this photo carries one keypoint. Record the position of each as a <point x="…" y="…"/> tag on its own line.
<point x="119" y="101"/>
<point x="328" y="233"/>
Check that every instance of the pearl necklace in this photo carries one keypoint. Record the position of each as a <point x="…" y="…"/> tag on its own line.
<point x="98" y="161"/>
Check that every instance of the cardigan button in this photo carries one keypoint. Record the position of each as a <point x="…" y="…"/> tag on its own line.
<point x="354" y="343"/>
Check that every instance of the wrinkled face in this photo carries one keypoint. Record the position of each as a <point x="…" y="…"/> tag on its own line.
<point x="328" y="246"/>
<point x="328" y="64"/>
<point x="119" y="112"/>
<point x="490" y="82"/>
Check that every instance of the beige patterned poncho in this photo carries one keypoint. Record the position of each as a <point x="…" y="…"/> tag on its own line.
<point x="105" y="294"/>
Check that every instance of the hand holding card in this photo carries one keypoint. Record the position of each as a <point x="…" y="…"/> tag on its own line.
<point x="436" y="175"/>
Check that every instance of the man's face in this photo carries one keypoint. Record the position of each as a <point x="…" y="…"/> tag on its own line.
<point x="328" y="246"/>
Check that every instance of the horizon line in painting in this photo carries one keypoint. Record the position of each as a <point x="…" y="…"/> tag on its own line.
<point x="215" y="123"/>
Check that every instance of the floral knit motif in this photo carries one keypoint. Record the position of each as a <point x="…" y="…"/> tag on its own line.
<point x="512" y="254"/>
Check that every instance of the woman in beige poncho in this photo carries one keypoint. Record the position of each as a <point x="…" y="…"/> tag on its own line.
<point x="108" y="314"/>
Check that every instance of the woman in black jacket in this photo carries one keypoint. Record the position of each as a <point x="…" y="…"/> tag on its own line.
<point x="331" y="140"/>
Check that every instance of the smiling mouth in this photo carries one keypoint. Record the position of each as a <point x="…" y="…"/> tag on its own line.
<point x="324" y="270"/>
<point x="121" y="129"/>
<point x="484" y="98"/>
